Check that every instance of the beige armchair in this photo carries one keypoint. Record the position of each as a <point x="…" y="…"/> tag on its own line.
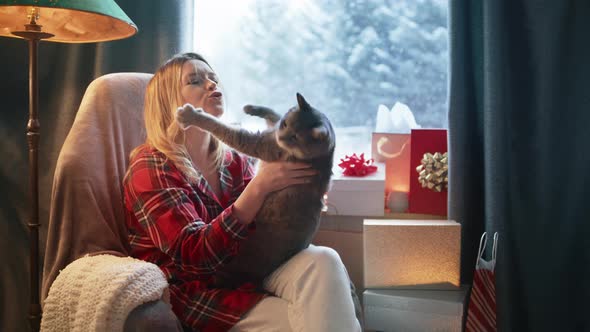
<point x="87" y="212"/>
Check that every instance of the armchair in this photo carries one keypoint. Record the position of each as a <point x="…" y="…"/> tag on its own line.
<point x="87" y="216"/>
<point x="87" y="212"/>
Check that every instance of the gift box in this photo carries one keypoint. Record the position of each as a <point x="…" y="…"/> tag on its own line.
<point x="419" y="254"/>
<point x="414" y="310"/>
<point x="394" y="151"/>
<point x="428" y="190"/>
<point x="357" y="195"/>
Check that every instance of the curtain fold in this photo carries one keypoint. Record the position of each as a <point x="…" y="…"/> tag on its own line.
<point x="65" y="70"/>
<point x="519" y="111"/>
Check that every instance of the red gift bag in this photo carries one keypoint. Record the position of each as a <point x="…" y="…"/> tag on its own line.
<point x="481" y="312"/>
<point x="422" y="199"/>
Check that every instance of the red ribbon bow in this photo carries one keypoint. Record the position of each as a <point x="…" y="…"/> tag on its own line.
<point x="357" y="166"/>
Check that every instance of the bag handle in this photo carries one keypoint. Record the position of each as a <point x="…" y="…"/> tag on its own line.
<point x="482" y="247"/>
<point x="494" y="250"/>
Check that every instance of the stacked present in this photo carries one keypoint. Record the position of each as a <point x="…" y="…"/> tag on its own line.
<point x="358" y="190"/>
<point x="412" y="267"/>
<point x="411" y="275"/>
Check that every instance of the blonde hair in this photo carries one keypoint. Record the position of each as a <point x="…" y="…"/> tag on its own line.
<point x="162" y="98"/>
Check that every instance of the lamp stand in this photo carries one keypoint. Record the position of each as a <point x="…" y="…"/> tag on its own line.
<point x="33" y="35"/>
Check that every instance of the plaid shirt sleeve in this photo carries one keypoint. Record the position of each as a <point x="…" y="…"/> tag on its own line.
<point x="160" y="198"/>
<point x="249" y="165"/>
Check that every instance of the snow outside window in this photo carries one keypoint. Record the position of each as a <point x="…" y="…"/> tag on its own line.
<point x="345" y="56"/>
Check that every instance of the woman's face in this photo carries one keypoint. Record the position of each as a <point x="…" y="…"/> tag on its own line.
<point x="199" y="87"/>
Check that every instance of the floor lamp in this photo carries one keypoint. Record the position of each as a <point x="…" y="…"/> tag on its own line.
<point x="63" y="21"/>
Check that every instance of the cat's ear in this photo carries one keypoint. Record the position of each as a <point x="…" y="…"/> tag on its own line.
<point x="303" y="105"/>
<point x="319" y="133"/>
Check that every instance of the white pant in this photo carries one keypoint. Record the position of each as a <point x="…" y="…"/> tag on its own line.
<point x="312" y="294"/>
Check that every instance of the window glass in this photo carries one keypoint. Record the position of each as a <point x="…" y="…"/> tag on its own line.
<point x="345" y="56"/>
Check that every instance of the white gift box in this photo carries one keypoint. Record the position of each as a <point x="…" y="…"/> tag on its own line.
<point x="414" y="310"/>
<point x="357" y="196"/>
<point x="422" y="254"/>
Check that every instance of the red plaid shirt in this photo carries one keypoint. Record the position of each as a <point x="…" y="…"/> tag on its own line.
<point x="189" y="232"/>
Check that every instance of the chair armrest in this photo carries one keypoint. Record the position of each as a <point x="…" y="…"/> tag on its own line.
<point x="97" y="293"/>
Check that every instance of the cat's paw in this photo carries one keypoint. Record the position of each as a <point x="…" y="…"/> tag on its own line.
<point x="188" y="115"/>
<point x="263" y="112"/>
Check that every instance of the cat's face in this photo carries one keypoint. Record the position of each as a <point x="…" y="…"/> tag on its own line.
<point x="305" y="132"/>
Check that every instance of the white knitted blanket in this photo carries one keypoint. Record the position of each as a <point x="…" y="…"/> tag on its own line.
<point x="97" y="293"/>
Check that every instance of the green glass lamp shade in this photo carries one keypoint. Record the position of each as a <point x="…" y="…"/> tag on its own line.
<point x="70" y="21"/>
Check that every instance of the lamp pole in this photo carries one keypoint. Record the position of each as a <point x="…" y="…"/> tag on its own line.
<point x="33" y="35"/>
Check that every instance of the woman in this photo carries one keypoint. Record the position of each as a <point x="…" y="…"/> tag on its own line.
<point x="190" y="202"/>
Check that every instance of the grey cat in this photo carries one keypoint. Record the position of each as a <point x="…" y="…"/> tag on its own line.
<point x="289" y="218"/>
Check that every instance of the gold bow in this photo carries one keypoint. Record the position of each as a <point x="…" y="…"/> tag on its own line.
<point x="434" y="171"/>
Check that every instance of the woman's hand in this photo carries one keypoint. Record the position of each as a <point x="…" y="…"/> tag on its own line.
<point x="270" y="177"/>
<point x="273" y="176"/>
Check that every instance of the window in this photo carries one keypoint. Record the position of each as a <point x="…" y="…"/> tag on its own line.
<point x="345" y="56"/>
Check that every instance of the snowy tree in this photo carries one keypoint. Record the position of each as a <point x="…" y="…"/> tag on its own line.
<point x="282" y="51"/>
<point x="347" y="57"/>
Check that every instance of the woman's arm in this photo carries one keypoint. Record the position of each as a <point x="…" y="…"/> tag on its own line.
<point x="168" y="214"/>
<point x="160" y="199"/>
<point x="271" y="177"/>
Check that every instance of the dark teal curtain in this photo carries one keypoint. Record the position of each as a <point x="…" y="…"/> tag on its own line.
<point x="519" y="130"/>
<point x="65" y="70"/>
